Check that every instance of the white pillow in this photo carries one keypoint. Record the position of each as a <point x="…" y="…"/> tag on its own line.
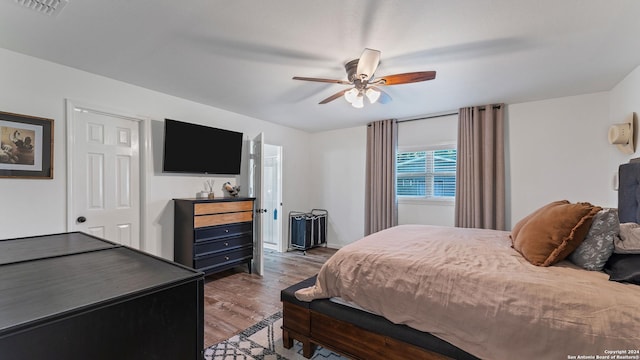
<point x="629" y="240"/>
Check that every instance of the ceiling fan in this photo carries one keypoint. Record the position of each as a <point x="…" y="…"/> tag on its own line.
<point x="360" y="74"/>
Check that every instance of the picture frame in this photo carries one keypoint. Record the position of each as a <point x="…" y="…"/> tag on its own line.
<point x="26" y="146"/>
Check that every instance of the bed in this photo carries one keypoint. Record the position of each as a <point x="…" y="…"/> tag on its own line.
<point x="483" y="293"/>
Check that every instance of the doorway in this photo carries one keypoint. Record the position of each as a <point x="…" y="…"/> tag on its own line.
<point x="265" y="184"/>
<point x="104" y="177"/>
<point x="272" y="222"/>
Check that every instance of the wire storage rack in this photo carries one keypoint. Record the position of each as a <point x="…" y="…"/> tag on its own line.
<point x="307" y="229"/>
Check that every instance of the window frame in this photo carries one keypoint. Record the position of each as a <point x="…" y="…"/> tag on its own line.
<point x="435" y="200"/>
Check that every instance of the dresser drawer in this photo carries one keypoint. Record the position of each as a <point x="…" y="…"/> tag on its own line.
<point x="223" y="258"/>
<point x="213" y="246"/>
<point x="222" y="231"/>
<point x="222" y="207"/>
<point x="221" y="219"/>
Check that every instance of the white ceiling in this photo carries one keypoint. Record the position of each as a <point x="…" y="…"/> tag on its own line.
<point x="240" y="55"/>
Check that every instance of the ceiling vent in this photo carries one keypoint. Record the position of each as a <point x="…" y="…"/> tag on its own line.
<point x="46" y="7"/>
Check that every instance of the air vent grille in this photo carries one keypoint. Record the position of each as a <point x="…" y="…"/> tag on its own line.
<point x="47" y="7"/>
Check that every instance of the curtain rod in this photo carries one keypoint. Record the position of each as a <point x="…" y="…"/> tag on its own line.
<point x="441" y="115"/>
<point x="428" y="117"/>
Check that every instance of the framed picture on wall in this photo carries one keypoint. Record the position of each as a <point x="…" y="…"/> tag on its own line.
<point x="26" y="146"/>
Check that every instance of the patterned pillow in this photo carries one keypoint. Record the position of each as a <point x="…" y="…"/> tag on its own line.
<point x="597" y="247"/>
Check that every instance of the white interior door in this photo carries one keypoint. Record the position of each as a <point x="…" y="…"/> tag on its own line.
<point x="104" y="176"/>
<point x="272" y="183"/>
<point x="256" y="189"/>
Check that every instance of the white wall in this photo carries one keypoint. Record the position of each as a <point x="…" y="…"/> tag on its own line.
<point x="558" y="149"/>
<point x="337" y="182"/>
<point x="39" y="88"/>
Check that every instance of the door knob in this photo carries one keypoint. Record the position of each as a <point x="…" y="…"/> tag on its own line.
<point x="81" y="219"/>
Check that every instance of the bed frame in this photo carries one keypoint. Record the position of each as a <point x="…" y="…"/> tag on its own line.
<point x="361" y="335"/>
<point x="355" y="333"/>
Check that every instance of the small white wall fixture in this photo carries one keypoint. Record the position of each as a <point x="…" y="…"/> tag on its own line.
<point x="622" y="135"/>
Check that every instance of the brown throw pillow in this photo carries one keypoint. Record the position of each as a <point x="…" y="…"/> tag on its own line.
<point x="516" y="229"/>
<point x="554" y="231"/>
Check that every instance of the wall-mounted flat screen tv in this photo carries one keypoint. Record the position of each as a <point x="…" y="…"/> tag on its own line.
<point x="198" y="149"/>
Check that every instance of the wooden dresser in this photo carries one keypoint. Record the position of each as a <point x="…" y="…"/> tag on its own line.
<point x="213" y="235"/>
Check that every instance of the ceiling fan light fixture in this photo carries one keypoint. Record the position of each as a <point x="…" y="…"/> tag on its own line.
<point x="351" y="95"/>
<point x="358" y="103"/>
<point x="372" y="95"/>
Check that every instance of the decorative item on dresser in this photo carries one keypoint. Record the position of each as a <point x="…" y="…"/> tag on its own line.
<point x="213" y="235"/>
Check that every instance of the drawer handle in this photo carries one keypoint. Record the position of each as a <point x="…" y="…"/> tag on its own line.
<point x="226" y="230"/>
<point x="226" y="244"/>
<point x="226" y="258"/>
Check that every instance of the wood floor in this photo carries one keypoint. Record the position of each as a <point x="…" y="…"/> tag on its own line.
<point x="234" y="299"/>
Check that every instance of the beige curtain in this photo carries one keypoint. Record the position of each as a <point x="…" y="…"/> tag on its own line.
<point x="480" y="188"/>
<point x="380" y="206"/>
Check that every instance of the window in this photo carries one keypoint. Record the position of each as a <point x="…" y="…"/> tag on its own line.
<point x="426" y="174"/>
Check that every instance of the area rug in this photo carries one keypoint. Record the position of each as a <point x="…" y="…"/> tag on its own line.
<point x="263" y="341"/>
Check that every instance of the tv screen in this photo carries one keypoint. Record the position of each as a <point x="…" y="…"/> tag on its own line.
<point x="198" y="149"/>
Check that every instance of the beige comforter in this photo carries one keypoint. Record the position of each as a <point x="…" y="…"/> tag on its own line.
<point x="470" y="288"/>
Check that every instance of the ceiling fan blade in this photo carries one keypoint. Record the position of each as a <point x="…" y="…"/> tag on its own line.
<point x="384" y="97"/>
<point x="368" y="63"/>
<point x="343" y="82"/>
<point x="334" y="96"/>
<point x="406" y="78"/>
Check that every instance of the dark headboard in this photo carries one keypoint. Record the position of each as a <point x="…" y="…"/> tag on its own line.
<point x="629" y="192"/>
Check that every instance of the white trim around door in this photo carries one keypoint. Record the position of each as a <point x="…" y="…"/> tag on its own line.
<point x="74" y="107"/>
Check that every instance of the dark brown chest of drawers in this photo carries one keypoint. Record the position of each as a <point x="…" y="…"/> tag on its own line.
<point x="213" y="235"/>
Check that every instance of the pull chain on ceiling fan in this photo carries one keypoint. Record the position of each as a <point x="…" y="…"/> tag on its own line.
<point x="360" y="74"/>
